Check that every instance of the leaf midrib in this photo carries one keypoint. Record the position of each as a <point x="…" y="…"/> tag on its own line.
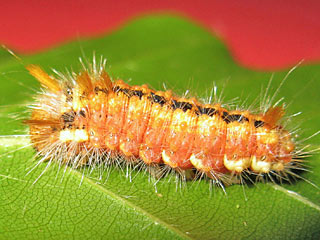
<point x="295" y="196"/>
<point x="127" y="203"/>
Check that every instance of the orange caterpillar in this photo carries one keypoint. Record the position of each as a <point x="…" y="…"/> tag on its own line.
<point x="77" y="119"/>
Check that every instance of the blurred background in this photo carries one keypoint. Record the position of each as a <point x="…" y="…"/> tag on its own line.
<point x="266" y="35"/>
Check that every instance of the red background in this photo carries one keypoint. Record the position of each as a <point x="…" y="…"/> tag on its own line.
<point x="262" y="34"/>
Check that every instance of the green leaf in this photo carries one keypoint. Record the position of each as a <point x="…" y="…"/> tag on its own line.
<point x="65" y="203"/>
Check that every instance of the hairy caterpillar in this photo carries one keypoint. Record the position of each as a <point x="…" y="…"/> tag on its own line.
<point x="86" y="118"/>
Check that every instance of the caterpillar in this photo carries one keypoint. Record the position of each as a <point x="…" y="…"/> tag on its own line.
<point x="81" y="118"/>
